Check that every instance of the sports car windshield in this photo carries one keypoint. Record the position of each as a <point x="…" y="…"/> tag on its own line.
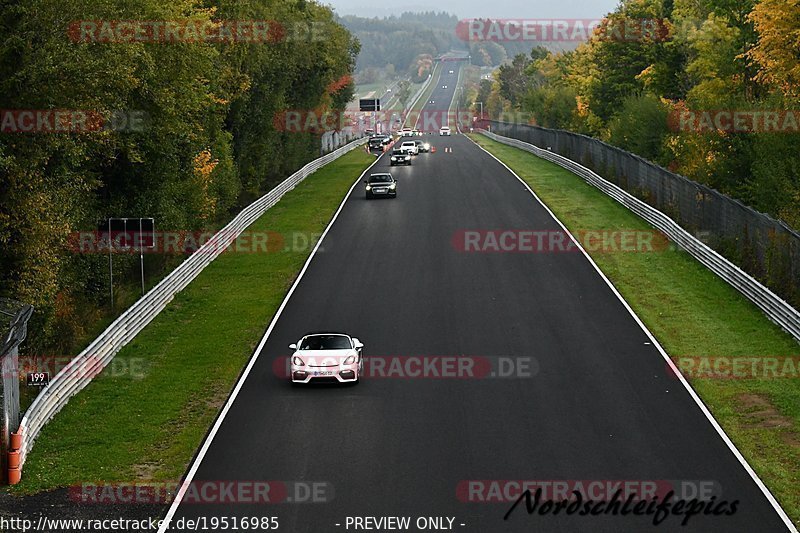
<point x="325" y="342"/>
<point x="380" y="179"/>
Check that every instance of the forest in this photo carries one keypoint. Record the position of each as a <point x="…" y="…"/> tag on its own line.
<point x="396" y="44"/>
<point x="180" y="101"/>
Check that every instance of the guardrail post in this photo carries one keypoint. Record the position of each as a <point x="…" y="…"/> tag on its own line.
<point x="10" y="400"/>
<point x="9" y="392"/>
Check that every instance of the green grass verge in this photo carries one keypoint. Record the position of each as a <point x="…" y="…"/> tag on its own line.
<point x="146" y="414"/>
<point x="691" y="312"/>
<point x="361" y="91"/>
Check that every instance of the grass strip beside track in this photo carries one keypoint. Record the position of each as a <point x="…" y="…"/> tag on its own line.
<point x="147" y="413"/>
<point x="692" y="312"/>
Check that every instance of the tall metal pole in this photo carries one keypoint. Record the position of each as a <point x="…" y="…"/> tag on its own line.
<point x="9" y="366"/>
<point x="110" y="266"/>
<point x="141" y="254"/>
<point x="9" y="363"/>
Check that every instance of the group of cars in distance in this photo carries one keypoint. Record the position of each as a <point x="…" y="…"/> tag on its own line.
<point x="337" y="357"/>
<point x="410" y="132"/>
<point x="378" y="141"/>
<point x="403" y="154"/>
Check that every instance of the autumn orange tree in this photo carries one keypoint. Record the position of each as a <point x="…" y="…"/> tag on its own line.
<point x="709" y="55"/>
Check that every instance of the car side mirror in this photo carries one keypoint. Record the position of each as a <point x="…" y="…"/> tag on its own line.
<point x="293" y="347"/>
<point x="357" y="344"/>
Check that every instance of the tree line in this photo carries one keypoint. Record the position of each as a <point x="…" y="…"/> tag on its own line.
<point x="167" y="110"/>
<point x="398" y="43"/>
<point x="711" y="94"/>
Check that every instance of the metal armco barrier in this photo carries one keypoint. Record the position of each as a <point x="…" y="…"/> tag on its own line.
<point x="80" y="371"/>
<point x="773" y="306"/>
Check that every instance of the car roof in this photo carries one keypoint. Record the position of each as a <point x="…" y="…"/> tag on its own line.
<point x="319" y="333"/>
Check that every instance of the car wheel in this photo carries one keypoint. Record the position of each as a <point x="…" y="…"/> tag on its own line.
<point x="369" y="196"/>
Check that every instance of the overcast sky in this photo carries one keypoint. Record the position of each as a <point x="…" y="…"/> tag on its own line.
<point x="534" y="9"/>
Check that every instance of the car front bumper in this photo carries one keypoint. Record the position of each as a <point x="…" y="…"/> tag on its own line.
<point x="385" y="191"/>
<point x="330" y="374"/>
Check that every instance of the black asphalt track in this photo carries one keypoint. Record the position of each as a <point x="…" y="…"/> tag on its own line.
<point x="599" y="403"/>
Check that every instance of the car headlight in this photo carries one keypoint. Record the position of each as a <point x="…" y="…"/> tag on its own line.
<point x="427" y="146"/>
<point x="369" y="187"/>
<point x="393" y="186"/>
<point x="296" y="361"/>
<point x="350" y="360"/>
<point x="394" y="158"/>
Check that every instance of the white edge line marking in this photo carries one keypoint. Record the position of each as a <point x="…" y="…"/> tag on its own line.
<point x="778" y="509"/>
<point x="421" y="109"/>
<point x="221" y="417"/>
<point x="454" y="100"/>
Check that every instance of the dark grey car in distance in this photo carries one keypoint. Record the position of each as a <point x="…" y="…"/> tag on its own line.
<point x="400" y="157"/>
<point x="381" y="185"/>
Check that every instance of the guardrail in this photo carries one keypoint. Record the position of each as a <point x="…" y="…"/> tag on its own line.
<point x="80" y="371"/>
<point x="778" y="310"/>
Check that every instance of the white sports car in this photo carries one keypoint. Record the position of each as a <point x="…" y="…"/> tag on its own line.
<point x="327" y="357"/>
